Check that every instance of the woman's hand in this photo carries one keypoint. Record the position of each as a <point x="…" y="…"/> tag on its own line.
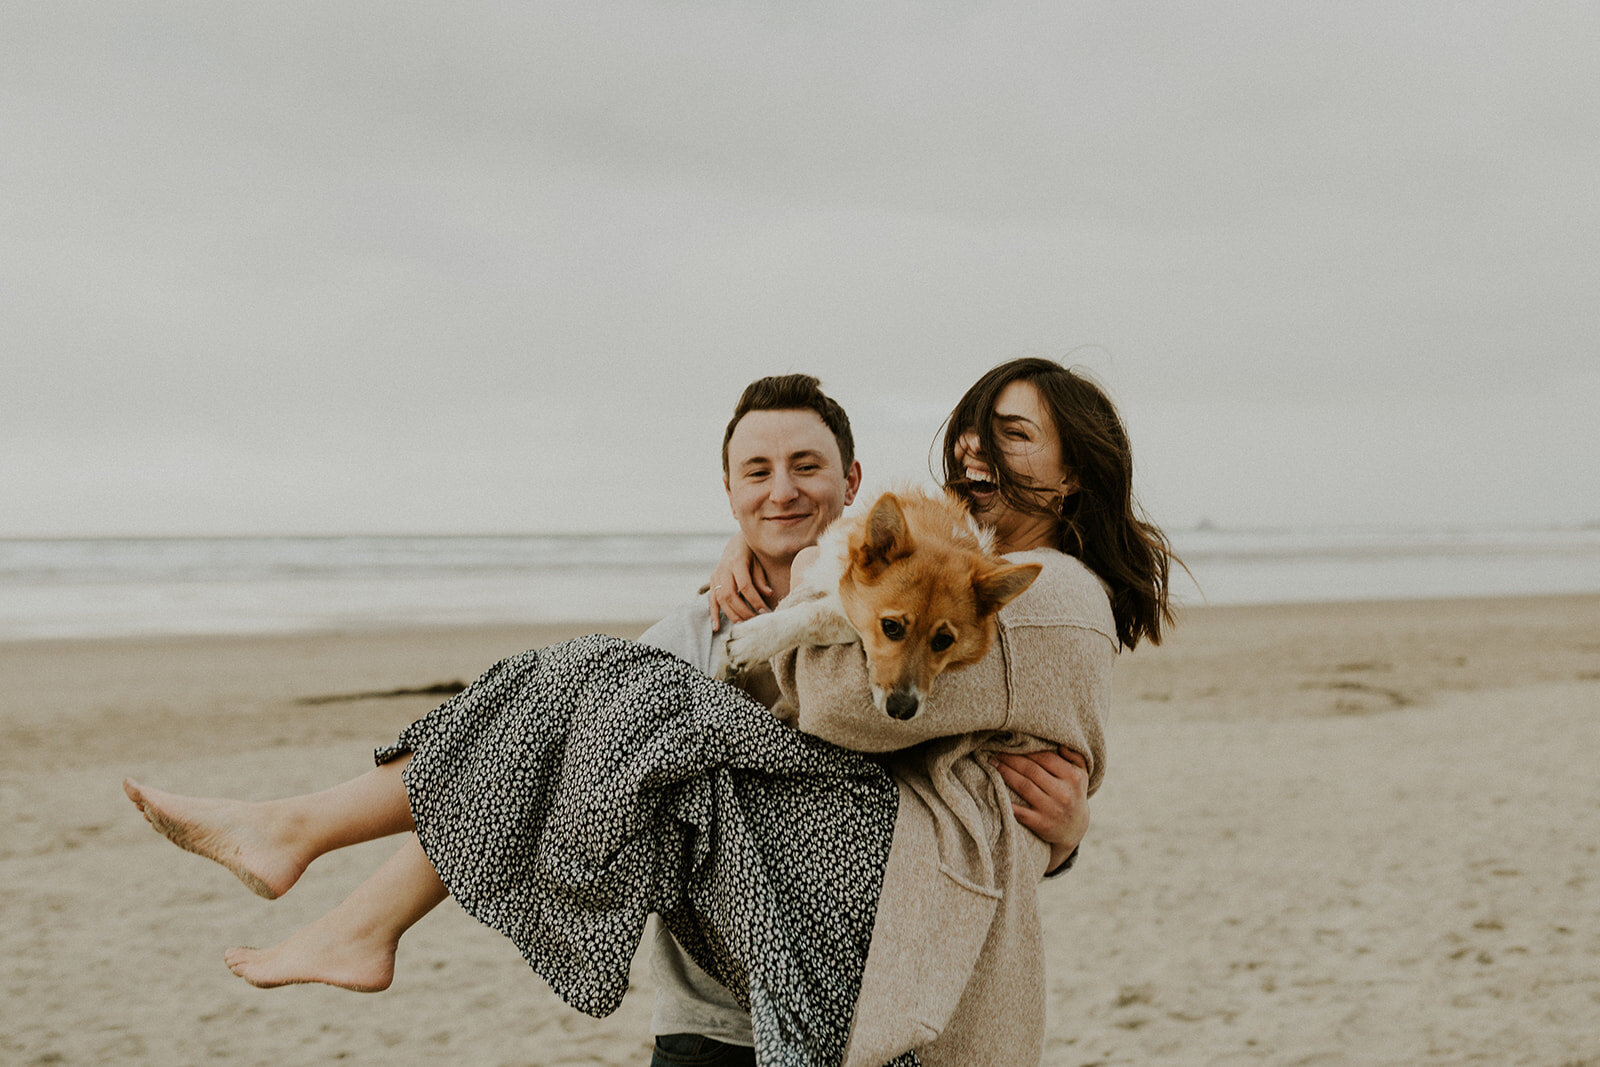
<point x="739" y="585"/>
<point x="1051" y="792"/>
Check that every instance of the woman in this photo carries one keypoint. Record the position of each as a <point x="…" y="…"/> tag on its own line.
<point x="1040" y="456"/>
<point x="1042" y="459"/>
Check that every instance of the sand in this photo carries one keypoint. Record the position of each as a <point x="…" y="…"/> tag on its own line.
<point x="1333" y="834"/>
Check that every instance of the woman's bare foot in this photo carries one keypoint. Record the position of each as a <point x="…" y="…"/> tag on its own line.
<point x="353" y="945"/>
<point x="323" y="952"/>
<point x="238" y="835"/>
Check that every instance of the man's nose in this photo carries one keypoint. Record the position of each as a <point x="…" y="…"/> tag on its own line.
<point x="783" y="487"/>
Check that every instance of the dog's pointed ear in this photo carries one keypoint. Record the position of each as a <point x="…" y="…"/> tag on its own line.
<point x="887" y="538"/>
<point x="1000" y="584"/>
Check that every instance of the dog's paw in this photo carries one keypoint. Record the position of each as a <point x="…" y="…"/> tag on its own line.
<point x="722" y="668"/>
<point x="741" y="649"/>
<point x="755" y="641"/>
<point x="748" y="646"/>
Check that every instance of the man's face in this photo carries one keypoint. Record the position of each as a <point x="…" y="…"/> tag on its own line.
<point x="786" y="482"/>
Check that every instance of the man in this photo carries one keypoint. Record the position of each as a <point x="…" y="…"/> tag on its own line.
<point x="789" y="469"/>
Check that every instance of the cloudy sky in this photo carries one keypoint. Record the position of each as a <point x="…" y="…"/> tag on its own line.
<point x="310" y="267"/>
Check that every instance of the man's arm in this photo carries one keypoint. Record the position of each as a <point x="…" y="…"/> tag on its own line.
<point x="686" y="633"/>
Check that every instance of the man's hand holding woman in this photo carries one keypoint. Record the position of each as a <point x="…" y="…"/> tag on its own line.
<point x="1051" y="791"/>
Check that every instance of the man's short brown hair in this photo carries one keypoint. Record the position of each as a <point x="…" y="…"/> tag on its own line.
<point x="792" y="392"/>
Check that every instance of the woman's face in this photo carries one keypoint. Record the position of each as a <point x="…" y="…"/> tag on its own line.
<point x="1026" y="435"/>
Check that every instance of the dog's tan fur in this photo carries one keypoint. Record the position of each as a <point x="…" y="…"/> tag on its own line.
<point x="912" y="578"/>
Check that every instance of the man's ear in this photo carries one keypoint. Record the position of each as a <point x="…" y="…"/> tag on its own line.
<point x="852" y="482"/>
<point x="728" y="489"/>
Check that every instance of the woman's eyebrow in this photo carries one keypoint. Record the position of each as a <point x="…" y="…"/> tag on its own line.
<point x="1015" y="418"/>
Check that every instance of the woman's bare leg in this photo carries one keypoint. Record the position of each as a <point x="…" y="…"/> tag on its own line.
<point x="268" y="845"/>
<point x="353" y="945"/>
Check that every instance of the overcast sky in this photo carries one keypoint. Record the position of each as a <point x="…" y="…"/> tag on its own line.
<point x="310" y="267"/>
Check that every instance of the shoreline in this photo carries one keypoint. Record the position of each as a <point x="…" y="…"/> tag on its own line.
<point x="1347" y="832"/>
<point x="548" y="630"/>
<point x="543" y="632"/>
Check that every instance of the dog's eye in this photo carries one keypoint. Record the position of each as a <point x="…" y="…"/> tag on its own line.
<point x="942" y="642"/>
<point x="894" y="629"/>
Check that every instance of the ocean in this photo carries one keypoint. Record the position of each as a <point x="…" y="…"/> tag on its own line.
<point x="103" y="587"/>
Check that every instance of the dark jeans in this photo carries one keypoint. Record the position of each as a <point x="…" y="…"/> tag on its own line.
<point x="692" y="1050"/>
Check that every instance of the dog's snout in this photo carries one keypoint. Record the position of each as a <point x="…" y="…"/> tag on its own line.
<point x="902" y="705"/>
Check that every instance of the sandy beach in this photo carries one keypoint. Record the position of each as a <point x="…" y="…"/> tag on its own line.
<point x="1329" y="834"/>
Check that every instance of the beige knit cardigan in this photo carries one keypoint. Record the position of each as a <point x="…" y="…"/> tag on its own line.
<point x="956" y="966"/>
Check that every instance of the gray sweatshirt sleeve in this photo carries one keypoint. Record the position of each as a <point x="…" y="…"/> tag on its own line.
<point x="686" y="633"/>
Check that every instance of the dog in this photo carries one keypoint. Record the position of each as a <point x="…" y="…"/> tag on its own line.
<point x="914" y="579"/>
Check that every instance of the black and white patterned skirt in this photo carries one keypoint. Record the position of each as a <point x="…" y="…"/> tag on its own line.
<point x="571" y="791"/>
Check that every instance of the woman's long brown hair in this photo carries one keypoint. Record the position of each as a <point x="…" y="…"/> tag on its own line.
<point x="1101" y="524"/>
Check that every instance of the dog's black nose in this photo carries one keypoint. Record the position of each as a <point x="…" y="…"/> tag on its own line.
<point x="901" y="705"/>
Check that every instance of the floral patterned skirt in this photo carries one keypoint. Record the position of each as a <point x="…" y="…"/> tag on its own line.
<point x="571" y="791"/>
